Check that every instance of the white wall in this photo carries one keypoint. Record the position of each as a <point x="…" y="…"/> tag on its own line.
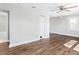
<point x="24" y="26"/>
<point x="24" y="23"/>
<point x="62" y="25"/>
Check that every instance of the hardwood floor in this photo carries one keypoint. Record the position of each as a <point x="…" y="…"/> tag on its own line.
<point x="49" y="46"/>
<point x="4" y="47"/>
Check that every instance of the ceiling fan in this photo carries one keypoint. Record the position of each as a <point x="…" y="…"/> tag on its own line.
<point x="64" y="8"/>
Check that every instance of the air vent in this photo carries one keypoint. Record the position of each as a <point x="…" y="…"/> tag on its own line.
<point x="33" y="6"/>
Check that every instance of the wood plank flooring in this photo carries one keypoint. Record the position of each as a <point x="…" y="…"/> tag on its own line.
<point x="4" y="47"/>
<point x="49" y="46"/>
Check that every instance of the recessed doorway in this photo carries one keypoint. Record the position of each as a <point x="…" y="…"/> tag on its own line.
<point x="4" y="32"/>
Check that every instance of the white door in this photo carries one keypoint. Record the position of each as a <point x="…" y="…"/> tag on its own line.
<point x="3" y="27"/>
<point x="44" y="26"/>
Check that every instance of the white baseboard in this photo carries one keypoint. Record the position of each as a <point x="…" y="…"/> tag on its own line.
<point x="66" y="34"/>
<point x="3" y="41"/>
<point x="17" y="44"/>
<point x="46" y="37"/>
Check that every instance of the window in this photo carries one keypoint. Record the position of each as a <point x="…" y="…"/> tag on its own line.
<point x="73" y="22"/>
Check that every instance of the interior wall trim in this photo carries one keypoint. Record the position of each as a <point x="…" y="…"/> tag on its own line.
<point x="66" y="34"/>
<point x="21" y="43"/>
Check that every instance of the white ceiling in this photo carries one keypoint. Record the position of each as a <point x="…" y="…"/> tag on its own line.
<point x="46" y="8"/>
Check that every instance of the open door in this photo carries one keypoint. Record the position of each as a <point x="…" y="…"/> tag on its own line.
<point x="44" y="26"/>
<point x="4" y="28"/>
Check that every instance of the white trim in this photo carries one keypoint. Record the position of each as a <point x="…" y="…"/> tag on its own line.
<point x="46" y="37"/>
<point x="3" y="41"/>
<point x="25" y="42"/>
<point x="66" y="34"/>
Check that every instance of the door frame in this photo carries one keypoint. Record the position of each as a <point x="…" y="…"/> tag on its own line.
<point x="42" y="27"/>
<point x="8" y="12"/>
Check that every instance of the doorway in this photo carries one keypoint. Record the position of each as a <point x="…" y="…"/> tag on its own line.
<point x="44" y="26"/>
<point x="4" y="32"/>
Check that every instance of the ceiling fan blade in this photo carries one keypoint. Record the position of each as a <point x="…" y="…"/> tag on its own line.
<point x="63" y="5"/>
<point x="71" y="7"/>
<point x="67" y="10"/>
